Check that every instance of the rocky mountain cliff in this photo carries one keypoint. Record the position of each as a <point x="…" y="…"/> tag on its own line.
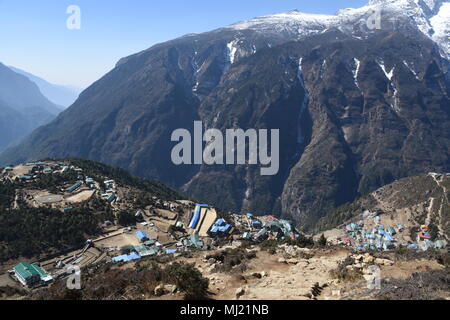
<point x="357" y="107"/>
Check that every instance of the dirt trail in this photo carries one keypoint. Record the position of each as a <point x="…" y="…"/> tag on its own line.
<point x="444" y="198"/>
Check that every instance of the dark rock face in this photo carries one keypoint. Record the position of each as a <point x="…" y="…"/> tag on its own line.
<point x="354" y="114"/>
<point x="371" y="131"/>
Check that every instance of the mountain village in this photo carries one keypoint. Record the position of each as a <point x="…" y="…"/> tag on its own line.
<point x="173" y="227"/>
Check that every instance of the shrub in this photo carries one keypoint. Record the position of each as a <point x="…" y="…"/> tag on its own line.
<point x="189" y="280"/>
<point x="232" y="259"/>
<point x="322" y="241"/>
<point x="427" y="285"/>
<point x="126" y="219"/>
<point x="344" y="274"/>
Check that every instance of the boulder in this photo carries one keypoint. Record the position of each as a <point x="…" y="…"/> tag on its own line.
<point x="384" y="262"/>
<point x="368" y="258"/>
<point x="240" y="292"/>
<point x="282" y="260"/>
<point x="162" y="290"/>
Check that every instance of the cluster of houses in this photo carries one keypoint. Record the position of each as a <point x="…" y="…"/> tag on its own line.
<point x="34" y="169"/>
<point x="425" y="242"/>
<point x="110" y="194"/>
<point x="204" y="223"/>
<point x="264" y="228"/>
<point x="381" y="238"/>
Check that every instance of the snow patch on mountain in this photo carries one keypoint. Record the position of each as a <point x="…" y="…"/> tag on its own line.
<point x="441" y="27"/>
<point x="356" y="71"/>
<point x="389" y="74"/>
<point x="232" y="50"/>
<point x="411" y="69"/>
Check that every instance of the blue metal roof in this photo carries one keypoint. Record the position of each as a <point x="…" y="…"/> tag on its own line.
<point x="141" y="235"/>
<point x="225" y="228"/>
<point x="220" y="222"/>
<point x="126" y="258"/>
<point x="74" y="187"/>
<point x="196" y="216"/>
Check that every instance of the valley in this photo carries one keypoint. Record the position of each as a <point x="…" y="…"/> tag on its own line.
<point x="289" y="156"/>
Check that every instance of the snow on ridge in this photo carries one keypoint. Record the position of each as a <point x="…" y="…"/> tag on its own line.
<point x="441" y="26"/>
<point x="299" y="24"/>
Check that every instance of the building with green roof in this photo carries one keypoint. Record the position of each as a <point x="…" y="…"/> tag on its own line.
<point x="31" y="274"/>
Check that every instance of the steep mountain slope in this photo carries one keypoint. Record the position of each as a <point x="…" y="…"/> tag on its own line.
<point x="23" y="108"/>
<point x="21" y="94"/>
<point x="60" y="95"/>
<point x="11" y="125"/>
<point x="356" y="108"/>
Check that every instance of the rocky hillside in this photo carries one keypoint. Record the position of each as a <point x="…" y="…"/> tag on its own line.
<point x="40" y="215"/>
<point x="288" y="273"/>
<point x="412" y="202"/>
<point x="357" y="108"/>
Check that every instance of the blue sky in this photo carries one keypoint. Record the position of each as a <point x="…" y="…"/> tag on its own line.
<point x="34" y="36"/>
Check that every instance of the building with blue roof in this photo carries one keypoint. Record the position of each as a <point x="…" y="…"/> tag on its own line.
<point x="196" y="217"/>
<point x="74" y="187"/>
<point x="257" y="224"/>
<point x="25" y="177"/>
<point x="142" y="236"/>
<point x="127" y="257"/>
<point x="220" y="227"/>
<point x="111" y="197"/>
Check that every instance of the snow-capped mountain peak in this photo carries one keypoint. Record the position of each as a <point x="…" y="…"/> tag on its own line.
<point x="431" y="17"/>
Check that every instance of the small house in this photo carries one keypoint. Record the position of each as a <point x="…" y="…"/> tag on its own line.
<point x="142" y="236"/>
